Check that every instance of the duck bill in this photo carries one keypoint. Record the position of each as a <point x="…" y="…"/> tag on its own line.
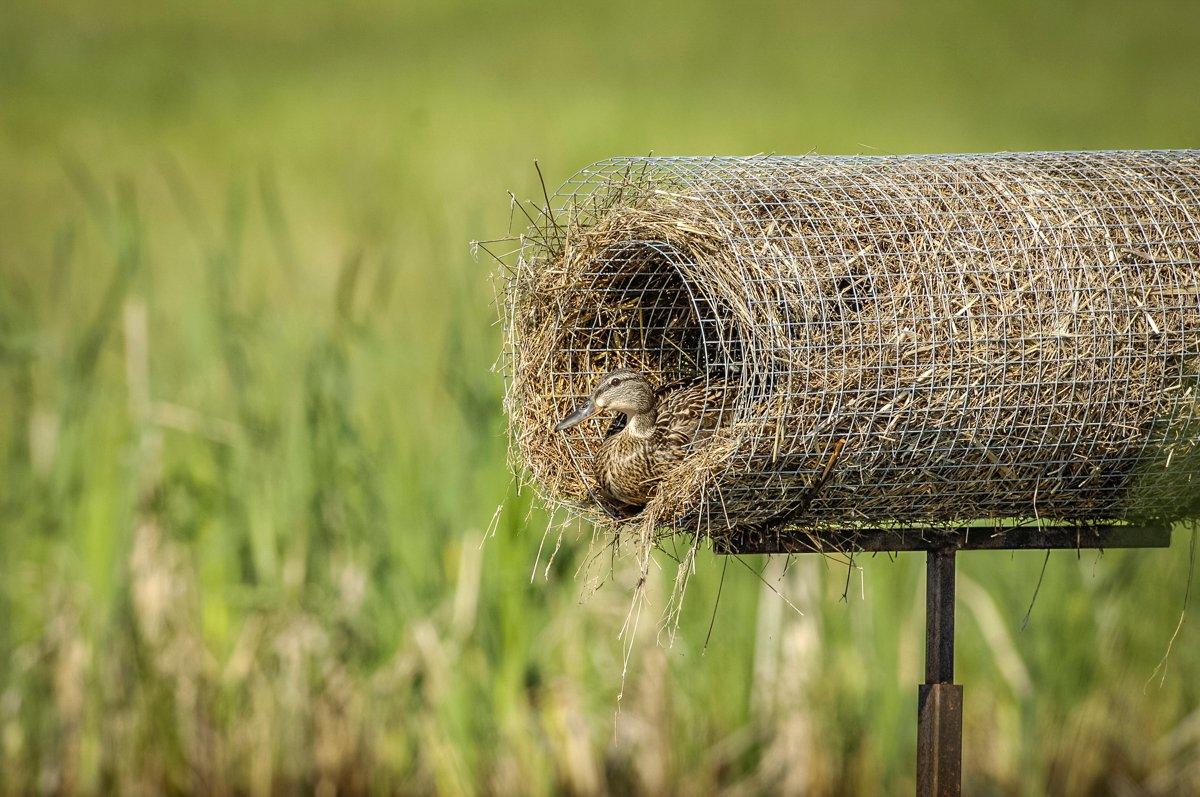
<point x="578" y="416"/>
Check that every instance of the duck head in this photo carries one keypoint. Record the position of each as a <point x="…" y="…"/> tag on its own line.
<point x="624" y="391"/>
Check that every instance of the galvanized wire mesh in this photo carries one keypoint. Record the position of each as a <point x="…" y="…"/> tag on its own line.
<point x="947" y="337"/>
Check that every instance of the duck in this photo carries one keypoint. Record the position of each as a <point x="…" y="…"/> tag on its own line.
<point x="654" y="429"/>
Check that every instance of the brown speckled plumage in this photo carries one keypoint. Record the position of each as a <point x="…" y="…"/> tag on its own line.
<point x="654" y="430"/>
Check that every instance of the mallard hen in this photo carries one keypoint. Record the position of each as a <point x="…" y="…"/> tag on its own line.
<point x="653" y="431"/>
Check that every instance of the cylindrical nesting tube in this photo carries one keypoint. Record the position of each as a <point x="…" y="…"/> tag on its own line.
<point x="906" y="340"/>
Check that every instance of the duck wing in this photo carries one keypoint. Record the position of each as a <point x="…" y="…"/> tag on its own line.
<point x="690" y="412"/>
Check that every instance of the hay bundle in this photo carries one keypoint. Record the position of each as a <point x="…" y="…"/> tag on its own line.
<point x="912" y="340"/>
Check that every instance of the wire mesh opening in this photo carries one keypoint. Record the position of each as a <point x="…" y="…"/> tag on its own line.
<point x="633" y="306"/>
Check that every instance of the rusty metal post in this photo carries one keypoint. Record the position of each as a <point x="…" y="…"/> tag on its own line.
<point x="939" y="699"/>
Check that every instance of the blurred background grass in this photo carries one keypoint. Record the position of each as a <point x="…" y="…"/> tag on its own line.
<point x="251" y="442"/>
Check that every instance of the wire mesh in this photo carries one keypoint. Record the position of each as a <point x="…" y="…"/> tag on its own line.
<point x="903" y="340"/>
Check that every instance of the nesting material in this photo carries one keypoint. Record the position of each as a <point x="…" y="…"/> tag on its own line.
<point x="908" y="340"/>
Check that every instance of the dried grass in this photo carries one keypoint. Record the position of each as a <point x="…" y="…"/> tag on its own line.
<point x="991" y="336"/>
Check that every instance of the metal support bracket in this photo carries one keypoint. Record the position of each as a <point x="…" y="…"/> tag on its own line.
<point x="939" y="699"/>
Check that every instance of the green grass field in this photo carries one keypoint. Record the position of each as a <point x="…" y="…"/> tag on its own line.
<point x="252" y="444"/>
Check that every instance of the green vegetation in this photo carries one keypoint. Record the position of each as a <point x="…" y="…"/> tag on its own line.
<point x="251" y="443"/>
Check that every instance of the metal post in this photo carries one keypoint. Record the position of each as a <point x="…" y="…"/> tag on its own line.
<point x="939" y="699"/>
